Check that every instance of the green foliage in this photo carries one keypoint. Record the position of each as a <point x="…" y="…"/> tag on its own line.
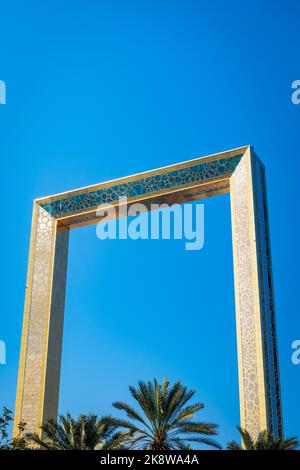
<point x="5" y="421"/>
<point x="264" y="441"/>
<point x="165" y="419"/>
<point x="17" y="443"/>
<point x="88" y="432"/>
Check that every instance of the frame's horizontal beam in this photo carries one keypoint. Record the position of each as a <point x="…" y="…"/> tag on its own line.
<point x="188" y="180"/>
<point x="205" y="190"/>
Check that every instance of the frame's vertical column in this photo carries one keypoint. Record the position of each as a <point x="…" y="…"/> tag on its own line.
<point x="40" y="357"/>
<point x="256" y="338"/>
<point x="267" y="304"/>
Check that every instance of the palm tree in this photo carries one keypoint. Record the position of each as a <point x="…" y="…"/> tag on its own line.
<point x="16" y="443"/>
<point x="87" y="433"/>
<point x="165" y="421"/>
<point x="264" y="441"/>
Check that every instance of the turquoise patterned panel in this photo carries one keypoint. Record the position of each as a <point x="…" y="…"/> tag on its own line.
<point x="147" y="185"/>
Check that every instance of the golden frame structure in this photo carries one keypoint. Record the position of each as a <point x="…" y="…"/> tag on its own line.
<point x="237" y="171"/>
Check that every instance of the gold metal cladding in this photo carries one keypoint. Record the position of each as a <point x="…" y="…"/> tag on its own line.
<point x="137" y="176"/>
<point x="251" y="380"/>
<point x="40" y="357"/>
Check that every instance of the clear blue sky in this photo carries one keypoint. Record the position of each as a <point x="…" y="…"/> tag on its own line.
<point x="102" y="89"/>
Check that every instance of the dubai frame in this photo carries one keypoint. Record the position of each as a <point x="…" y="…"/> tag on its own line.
<point x="239" y="172"/>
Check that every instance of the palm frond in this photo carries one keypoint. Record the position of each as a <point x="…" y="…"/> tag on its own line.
<point x="206" y="441"/>
<point x="168" y="422"/>
<point x="233" y="445"/>
<point x="131" y="412"/>
<point x="264" y="441"/>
